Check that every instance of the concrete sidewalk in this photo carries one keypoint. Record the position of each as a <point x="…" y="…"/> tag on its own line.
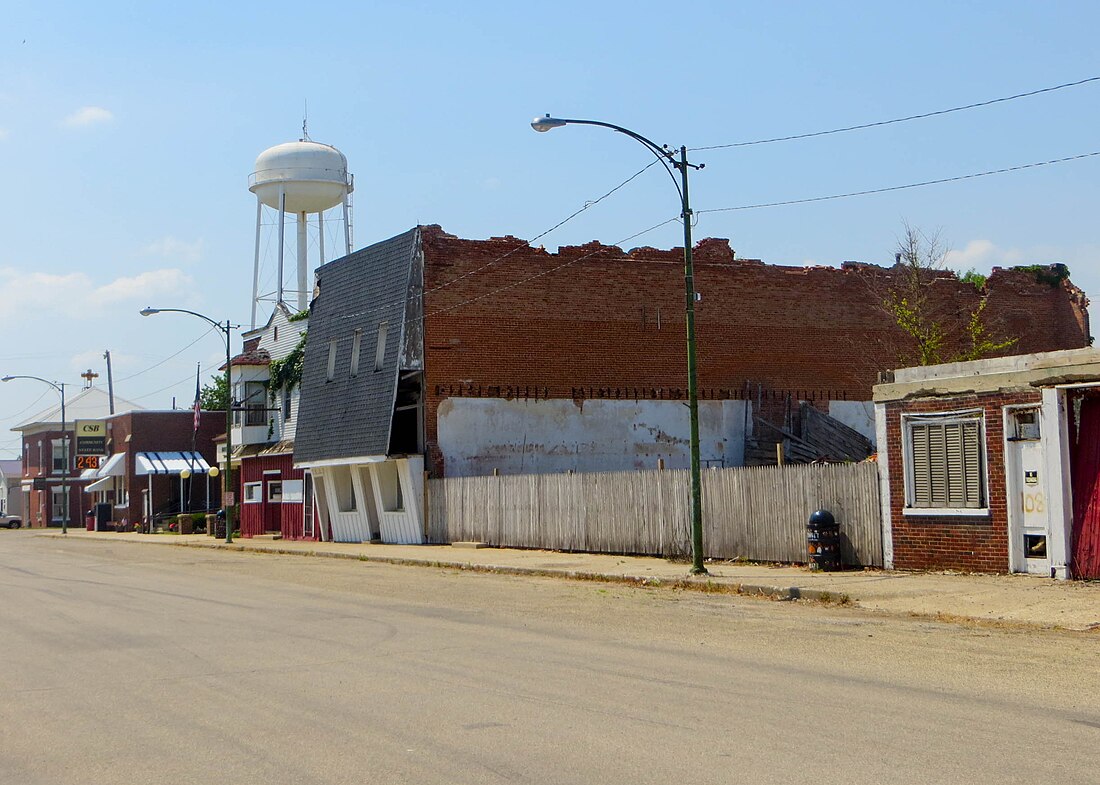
<point x="1012" y="599"/>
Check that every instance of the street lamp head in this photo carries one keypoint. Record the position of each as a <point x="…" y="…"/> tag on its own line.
<point x="545" y="123"/>
<point x="7" y="379"/>
<point x="149" y="311"/>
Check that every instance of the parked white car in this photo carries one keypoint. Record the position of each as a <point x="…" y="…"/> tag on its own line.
<point x="10" y="522"/>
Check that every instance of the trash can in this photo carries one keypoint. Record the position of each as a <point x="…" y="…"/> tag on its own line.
<point x="89" y="520"/>
<point x="823" y="541"/>
<point x="219" y="524"/>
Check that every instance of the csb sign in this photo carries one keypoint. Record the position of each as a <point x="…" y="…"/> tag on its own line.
<point x="91" y="437"/>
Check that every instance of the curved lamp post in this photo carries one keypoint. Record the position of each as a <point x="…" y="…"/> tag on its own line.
<point x="668" y="157"/>
<point x="227" y="480"/>
<point x="60" y="387"/>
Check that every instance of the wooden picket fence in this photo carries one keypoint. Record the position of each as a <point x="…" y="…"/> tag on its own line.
<point x="755" y="513"/>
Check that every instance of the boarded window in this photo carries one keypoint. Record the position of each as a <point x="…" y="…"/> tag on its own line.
<point x="380" y="349"/>
<point x="331" y="359"/>
<point x="946" y="467"/>
<point x="356" y="343"/>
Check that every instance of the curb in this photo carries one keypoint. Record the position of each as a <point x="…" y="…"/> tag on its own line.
<point x="703" y="585"/>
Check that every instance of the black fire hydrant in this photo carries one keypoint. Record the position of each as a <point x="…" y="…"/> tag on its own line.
<point x="823" y="541"/>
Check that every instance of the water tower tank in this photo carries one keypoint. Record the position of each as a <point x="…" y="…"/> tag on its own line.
<point x="313" y="176"/>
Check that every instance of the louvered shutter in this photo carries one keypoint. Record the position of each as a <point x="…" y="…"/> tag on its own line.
<point x="946" y="469"/>
<point x="921" y="487"/>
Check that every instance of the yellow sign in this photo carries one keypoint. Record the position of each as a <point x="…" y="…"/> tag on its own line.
<point x="91" y="437"/>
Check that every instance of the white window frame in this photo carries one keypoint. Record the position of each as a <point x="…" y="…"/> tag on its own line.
<point x="944" y="418"/>
<point x="253" y="492"/>
<point x="57" y="509"/>
<point x="292" y="491"/>
<point x="59" y="448"/>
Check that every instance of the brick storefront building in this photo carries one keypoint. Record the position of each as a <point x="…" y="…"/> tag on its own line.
<point x="145" y="452"/>
<point x="473" y="356"/>
<point x="993" y="465"/>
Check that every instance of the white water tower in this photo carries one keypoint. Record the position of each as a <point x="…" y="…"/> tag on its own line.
<point x="304" y="178"/>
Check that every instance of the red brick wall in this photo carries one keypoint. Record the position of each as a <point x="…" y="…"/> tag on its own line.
<point x="937" y="542"/>
<point x="36" y="511"/>
<point x="601" y="322"/>
<point x="169" y="431"/>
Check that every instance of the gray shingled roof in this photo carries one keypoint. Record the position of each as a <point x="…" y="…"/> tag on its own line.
<point x="350" y="416"/>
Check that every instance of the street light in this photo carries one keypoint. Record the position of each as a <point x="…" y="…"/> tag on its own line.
<point x="60" y="387"/>
<point x="227" y="480"/>
<point x="666" y="157"/>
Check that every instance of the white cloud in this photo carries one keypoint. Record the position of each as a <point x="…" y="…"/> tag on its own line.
<point x="88" y="115"/>
<point x="172" y="248"/>
<point x="75" y="293"/>
<point x="983" y="255"/>
<point x="145" y="285"/>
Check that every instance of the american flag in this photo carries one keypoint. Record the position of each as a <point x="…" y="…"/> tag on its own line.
<point x="198" y="405"/>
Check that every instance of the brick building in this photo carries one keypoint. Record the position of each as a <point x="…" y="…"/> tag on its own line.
<point x="147" y="452"/>
<point x="491" y="355"/>
<point x="45" y="462"/>
<point x="993" y="465"/>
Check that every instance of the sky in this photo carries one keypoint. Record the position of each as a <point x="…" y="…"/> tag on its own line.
<point x="128" y="131"/>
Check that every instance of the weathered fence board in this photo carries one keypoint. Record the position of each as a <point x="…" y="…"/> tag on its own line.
<point x="756" y="513"/>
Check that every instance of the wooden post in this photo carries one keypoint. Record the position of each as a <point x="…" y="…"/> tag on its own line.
<point x="779" y="453"/>
<point x="660" y="464"/>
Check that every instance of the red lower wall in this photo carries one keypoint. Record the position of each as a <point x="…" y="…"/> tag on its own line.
<point x="259" y="518"/>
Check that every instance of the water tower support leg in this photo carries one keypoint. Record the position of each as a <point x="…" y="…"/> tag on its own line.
<point x="282" y="240"/>
<point x="347" y="227"/>
<point x="302" y="261"/>
<point x="256" y="263"/>
<point x="321" y="235"/>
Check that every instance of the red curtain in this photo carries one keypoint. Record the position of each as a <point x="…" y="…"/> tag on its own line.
<point x="1086" y="490"/>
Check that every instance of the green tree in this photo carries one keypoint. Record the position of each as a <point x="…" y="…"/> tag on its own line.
<point x="214" y="397"/>
<point x="910" y="299"/>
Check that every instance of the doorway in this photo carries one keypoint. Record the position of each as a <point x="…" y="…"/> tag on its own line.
<point x="1085" y="472"/>
<point x="273" y="503"/>
<point x="1028" y="502"/>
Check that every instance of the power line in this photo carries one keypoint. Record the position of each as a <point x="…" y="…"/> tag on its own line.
<point x="899" y="187"/>
<point x="544" y="272"/>
<point x="520" y="246"/>
<point x="166" y="359"/>
<point x="176" y="384"/>
<point x="881" y="123"/>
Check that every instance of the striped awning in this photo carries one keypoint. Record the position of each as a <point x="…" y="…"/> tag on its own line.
<point x="170" y="463"/>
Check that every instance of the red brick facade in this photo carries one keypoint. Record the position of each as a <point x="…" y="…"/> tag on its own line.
<point x="506" y="320"/>
<point x="38" y="462"/>
<point x="936" y="542"/>
<point x="165" y="431"/>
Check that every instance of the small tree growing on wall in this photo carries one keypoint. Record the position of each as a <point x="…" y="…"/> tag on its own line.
<point x="930" y="329"/>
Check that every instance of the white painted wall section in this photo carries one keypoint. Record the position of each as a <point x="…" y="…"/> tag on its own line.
<point x="478" y="435"/>
<point x="857" y="415"/>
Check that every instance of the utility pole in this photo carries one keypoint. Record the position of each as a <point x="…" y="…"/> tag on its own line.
<point x="110" y="382"/>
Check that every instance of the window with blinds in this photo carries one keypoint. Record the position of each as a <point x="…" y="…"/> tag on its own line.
<point x="946" y="470"/>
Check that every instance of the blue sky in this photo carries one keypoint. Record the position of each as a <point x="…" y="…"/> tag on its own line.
<point x="128" y="131"/>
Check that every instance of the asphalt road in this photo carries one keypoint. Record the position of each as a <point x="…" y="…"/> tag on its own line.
<point x="135" y="664"/>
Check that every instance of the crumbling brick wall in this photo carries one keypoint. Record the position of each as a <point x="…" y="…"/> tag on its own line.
<point x="503" y="319"/>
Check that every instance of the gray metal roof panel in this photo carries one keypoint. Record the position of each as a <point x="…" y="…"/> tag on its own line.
<point x="350" y="416"/>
